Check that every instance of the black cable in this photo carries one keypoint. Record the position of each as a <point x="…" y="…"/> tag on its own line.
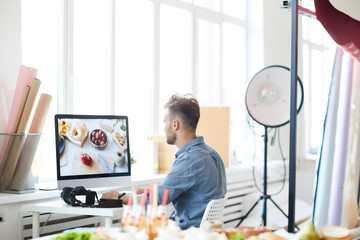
<point x="253" y="167"/>
<point x="277" y="131"/>
<point x="252" y="127"/>
<point x="284" y="165"/>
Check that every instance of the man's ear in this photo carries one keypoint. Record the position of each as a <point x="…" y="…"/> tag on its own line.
<point x="175" y="124"/>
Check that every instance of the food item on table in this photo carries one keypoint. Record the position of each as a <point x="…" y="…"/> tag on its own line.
<point x="329" y="232"/>
<point x="213" y="226"/>
<point x="272" y="236"/>
<point x="64" y="127"/>
<point x="83" y="235"/>
<point x="309" y="233"/>
<point x="246" y="232"/>
<point x="252" y="231"/>
<point x="78" y="133"/>
<point x="86" y="159"/>
<point x="237" y="236"/>
<point x="98" y="139"/>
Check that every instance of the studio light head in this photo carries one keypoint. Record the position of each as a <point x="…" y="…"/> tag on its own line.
<point x="268" y="96"/>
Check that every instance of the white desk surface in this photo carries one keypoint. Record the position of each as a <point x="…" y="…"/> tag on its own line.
<point x="59" y="206"/>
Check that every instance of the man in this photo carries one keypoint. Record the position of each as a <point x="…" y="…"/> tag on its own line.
<point x="198" y="173"/>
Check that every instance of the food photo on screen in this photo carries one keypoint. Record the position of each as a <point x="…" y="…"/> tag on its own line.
<point x="92" y="146"/>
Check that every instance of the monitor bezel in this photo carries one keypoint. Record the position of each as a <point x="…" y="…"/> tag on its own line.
<point x="91" y="180"/>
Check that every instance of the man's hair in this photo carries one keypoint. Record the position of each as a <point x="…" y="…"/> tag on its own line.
<point x="186" y="107"/>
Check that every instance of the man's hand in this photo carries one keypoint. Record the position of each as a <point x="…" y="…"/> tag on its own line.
<point x="114" y="195"/>
<point x="111" y="195"/>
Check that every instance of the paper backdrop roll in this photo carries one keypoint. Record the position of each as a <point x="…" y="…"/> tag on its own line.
<point x="350" y="214"/>
<point x="326" y="158"/>
<point x="342" y="136"/>
<point x="356" y="155"/>
<point x="30" y="146"/>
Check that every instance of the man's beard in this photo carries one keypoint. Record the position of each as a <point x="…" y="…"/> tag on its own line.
<point x="171" y="138"/>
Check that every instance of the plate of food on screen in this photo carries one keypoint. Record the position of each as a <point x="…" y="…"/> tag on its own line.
<point x="98" y="139"/>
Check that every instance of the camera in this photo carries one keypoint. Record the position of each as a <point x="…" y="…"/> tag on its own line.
<point x="75" y="196"/>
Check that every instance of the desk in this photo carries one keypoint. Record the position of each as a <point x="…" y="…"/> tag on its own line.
<point x="59" y="206"/>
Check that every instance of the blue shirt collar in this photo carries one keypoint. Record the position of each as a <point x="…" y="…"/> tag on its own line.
<point x="186" y="147"/>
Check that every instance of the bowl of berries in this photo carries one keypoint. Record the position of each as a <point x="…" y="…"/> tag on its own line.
<point x="98" y="139"/>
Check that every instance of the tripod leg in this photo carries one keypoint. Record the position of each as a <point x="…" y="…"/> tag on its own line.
<point x="249" y="211"/>
<point x="282" y="211"/>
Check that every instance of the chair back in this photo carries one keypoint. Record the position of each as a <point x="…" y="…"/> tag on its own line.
<point x="214" y="211"/>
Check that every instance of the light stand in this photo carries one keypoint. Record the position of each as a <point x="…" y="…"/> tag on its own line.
<point x="267" y="100"/>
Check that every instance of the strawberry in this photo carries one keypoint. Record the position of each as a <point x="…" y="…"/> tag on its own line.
<point x="86" y="159"/>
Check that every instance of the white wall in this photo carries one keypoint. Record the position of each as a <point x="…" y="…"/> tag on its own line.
<point x="10" y="42"/>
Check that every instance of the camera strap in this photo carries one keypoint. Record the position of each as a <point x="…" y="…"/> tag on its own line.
<point x="109" y="203"/>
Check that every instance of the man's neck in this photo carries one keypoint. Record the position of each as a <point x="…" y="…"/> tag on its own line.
<point x="184" y="139"/>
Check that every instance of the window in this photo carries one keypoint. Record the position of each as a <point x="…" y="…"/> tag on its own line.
<point x="41" y="48"/>
<point x="128" y="57"/>
<point x="318" y="57"/>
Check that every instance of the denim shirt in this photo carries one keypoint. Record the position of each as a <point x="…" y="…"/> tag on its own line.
<point x="196" y="177"/>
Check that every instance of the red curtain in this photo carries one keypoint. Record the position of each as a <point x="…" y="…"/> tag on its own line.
<point x="344" y="29"/>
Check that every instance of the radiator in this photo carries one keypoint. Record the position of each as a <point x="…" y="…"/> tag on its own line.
<point x="57" y="223"/>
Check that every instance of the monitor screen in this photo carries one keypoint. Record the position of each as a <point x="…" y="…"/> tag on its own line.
<point x="92" y="150"/>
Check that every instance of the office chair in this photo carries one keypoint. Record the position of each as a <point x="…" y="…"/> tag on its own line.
<point x="214" y="211"/>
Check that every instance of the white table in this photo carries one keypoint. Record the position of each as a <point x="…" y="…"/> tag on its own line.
<point x="59" y="206"/>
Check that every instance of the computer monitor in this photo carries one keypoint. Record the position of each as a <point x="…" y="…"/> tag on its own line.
<point x="92" y="150"/>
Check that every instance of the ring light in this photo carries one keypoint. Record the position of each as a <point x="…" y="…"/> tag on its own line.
<point x="268" y="103"/>
<point x="268" y="96"/>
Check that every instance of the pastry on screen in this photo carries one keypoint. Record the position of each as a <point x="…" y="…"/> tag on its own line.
<point x="77" y="133"/>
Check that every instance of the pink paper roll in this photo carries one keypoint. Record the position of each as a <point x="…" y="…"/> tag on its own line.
<point x="25" y="77"/>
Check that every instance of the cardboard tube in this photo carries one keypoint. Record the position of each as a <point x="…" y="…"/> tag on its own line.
<point x="27" y="154"/>
<point x="9" y="139"/>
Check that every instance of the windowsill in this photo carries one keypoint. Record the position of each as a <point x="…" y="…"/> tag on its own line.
<point x="311" y="157"/>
